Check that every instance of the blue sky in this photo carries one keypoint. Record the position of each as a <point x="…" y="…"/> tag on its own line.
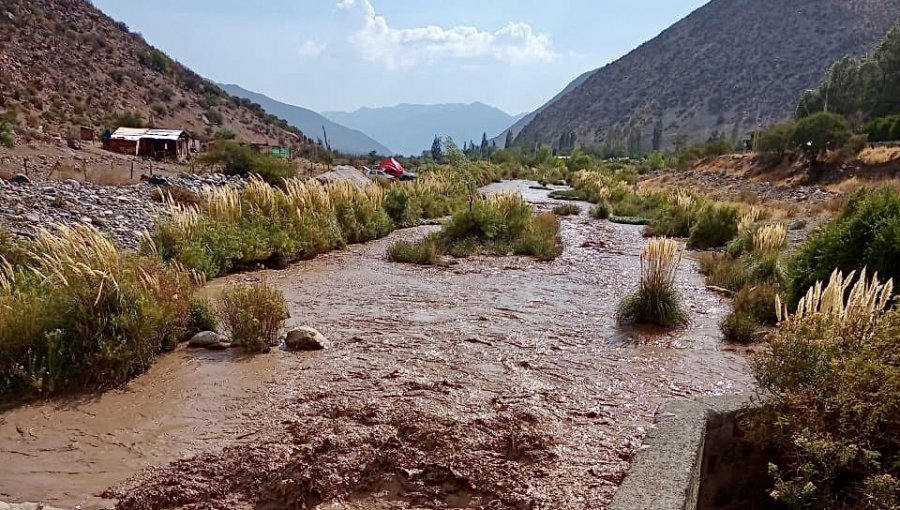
<point x="345" y="54"/>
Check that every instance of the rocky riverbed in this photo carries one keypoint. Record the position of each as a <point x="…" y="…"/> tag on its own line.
<point x="122" y="211"/>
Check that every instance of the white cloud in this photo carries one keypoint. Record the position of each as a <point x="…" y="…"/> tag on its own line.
<point x="311" y="49"/>
<point x="516" y="43"/>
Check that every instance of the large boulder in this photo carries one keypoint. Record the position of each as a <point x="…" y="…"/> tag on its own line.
<point x="306" y="339"/>
<point x="207" y="339"/>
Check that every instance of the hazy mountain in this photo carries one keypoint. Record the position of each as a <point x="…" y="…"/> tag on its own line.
<point x="340" y="138"/>
<point x="64" y="63"/>
<point x="728" y="67"/>
<point x="410" y="129"/>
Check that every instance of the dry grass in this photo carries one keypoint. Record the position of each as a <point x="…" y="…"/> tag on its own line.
<point x="866" y="301"/>
<point x="253" y="314"/>
<point x="879" y="155"/>
<point x="770" y="239"/>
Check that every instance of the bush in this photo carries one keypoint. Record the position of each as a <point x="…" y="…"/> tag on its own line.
<point x="82" y="315"/>
<point x="601" y="211"/>
<point x="7" y="135"/>
<point x="656" y="300"/>
<point x="427" y="252"/>
<point x="723" y="271"/>
<point x="254" y="315"/>
<point x="866" y="233"/>
<point x="833" y="394"/>
<point x="740" y="328"/>
<point x="235" y="159"/>
<point x="202" y="316"/>
<point x="714" y="226"/>
<point x="567" y="210"/>
<point x="129" y="120"/>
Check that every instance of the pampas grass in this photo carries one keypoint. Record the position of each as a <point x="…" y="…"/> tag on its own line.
<point x="656" y="300"/>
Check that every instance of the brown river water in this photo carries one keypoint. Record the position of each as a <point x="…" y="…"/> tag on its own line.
<point x="496" y="383"/>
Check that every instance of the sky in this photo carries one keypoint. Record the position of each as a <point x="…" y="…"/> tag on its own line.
<point x="340" y="55"/>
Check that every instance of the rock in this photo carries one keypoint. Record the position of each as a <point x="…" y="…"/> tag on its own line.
<point x="206" y="339"/>
<point x="20" y="179"/>
<point x="306" y="339"/>
<point x="86" y="220"/>
<point x="72" y="182"/>
<point x="34" y="218"/>
<point x="219" y="346"/>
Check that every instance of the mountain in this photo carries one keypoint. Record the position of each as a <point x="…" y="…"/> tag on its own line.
<point x="410" y="129"/>
<point x="64" y="64"/>
<point x="726" y="68"/>
<point x="340" y="138"/>
<point x="526" y="119"/>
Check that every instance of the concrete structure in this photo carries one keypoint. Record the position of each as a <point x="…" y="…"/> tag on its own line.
<point x="696" y="458"/>
<point x="158" y="143"/>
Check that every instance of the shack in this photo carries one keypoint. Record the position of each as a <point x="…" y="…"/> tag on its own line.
<point x="156" y="143"/>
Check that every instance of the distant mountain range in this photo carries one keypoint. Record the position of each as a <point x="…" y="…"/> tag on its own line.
<point x="340" y="138"/>
<point x="722" y="71"/>
<point x="410" y="129"/>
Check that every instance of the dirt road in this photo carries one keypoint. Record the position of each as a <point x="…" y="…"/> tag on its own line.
<point x="496" y="383"/>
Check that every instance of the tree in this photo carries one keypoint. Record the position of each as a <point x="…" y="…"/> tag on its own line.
<point x="437" y="152"/>
<point x="454" y="155"/>
<point x="820" y="132"/>
<point x="657" y="135"/>
<point x="509" y="140"/>
<point x="775" y="141"/>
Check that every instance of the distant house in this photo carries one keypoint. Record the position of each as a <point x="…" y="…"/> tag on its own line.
<point x="157" y="143"/>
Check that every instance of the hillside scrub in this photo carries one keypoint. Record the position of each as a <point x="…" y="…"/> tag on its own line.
<point x="866" y="233"/>
<point x="501" y="224"/>
<point x="820" y="132"/>
<point x="234" y="159"/>
<point x="78" y="314"/>
<point x="833" y="394"/>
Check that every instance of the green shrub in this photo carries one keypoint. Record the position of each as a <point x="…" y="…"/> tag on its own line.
<point x="833" y="395"/>
<point x="776" y="141"/>
<point x="402" y="207"/>
<point x="202" y="316"/>
<point x="235" y="159"/>
<point x="656" y="300"/>
<point x="866" y="233"/>
<point x="740" y="328"/>
<point x="714" y="226"/>
<point x="567" y="210"/>
<point x="7" y="135"/>
<point x="82" y="315"/>
<point x="254" y="315"/>
<point x="601" y="211"/>
<point x="541" y="240"/>
<point x="427" y="252"/>
<point x="723" y="271"/>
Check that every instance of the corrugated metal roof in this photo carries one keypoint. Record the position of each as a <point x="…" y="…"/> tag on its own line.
<point x="129" y="134"/>
<point x="135" y="134"/>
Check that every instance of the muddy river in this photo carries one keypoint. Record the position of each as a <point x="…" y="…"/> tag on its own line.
<point x="495" y="383"/>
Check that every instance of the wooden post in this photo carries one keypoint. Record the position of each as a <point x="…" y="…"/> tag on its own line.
<point x="26" y="166"/>
<point x="151" y="167"/>
<point x="132" y="170"/>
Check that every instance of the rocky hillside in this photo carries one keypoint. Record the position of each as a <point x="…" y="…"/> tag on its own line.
<point x="723" y="70"/>
<point x="64" y="64"/>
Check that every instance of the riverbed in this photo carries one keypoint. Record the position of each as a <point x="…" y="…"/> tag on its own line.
<point x="496" y="382"/>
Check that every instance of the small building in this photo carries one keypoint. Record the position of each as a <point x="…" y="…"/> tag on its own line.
<point x="156" y="143"/>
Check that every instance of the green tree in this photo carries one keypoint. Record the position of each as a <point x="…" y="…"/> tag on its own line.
<point x="820" y="132"/>
<point x="775" y="141"/>
<point x="437" y="151"/>
<point x="484" y="145"/>
<point x="657" y="135"/>
<point x="509" y="140"/>
<point x="454" y="156"/>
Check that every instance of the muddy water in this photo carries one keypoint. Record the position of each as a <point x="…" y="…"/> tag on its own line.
<point x="437" y="363"/>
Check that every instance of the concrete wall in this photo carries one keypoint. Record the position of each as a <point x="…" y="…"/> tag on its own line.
<point x="696" y="458"/>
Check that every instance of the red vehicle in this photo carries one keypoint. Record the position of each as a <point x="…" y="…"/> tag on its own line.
<point x="393" y="168"/>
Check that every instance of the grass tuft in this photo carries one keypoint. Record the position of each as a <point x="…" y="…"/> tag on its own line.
<point x="656" y="300"/>
<point x="254" y="315"/>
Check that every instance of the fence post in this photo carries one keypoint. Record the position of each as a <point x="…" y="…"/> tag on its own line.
<point x="132" y="170"/>
<point x="25" y="160"/>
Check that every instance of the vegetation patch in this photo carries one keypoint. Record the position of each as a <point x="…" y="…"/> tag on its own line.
<point x="501" y="224"/>
<point x="833" y="393"/>
<point x="78" y="314"/>
<point x="254" y="315"/>
<point x="656" y="301"/>
<point x="567" y="210"/>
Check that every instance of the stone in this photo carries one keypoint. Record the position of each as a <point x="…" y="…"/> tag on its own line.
<point x="206" y="339"/>
<point x="306" y="339"/>
<point x="219" y="346"/>
<point x="20" y="179"/>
